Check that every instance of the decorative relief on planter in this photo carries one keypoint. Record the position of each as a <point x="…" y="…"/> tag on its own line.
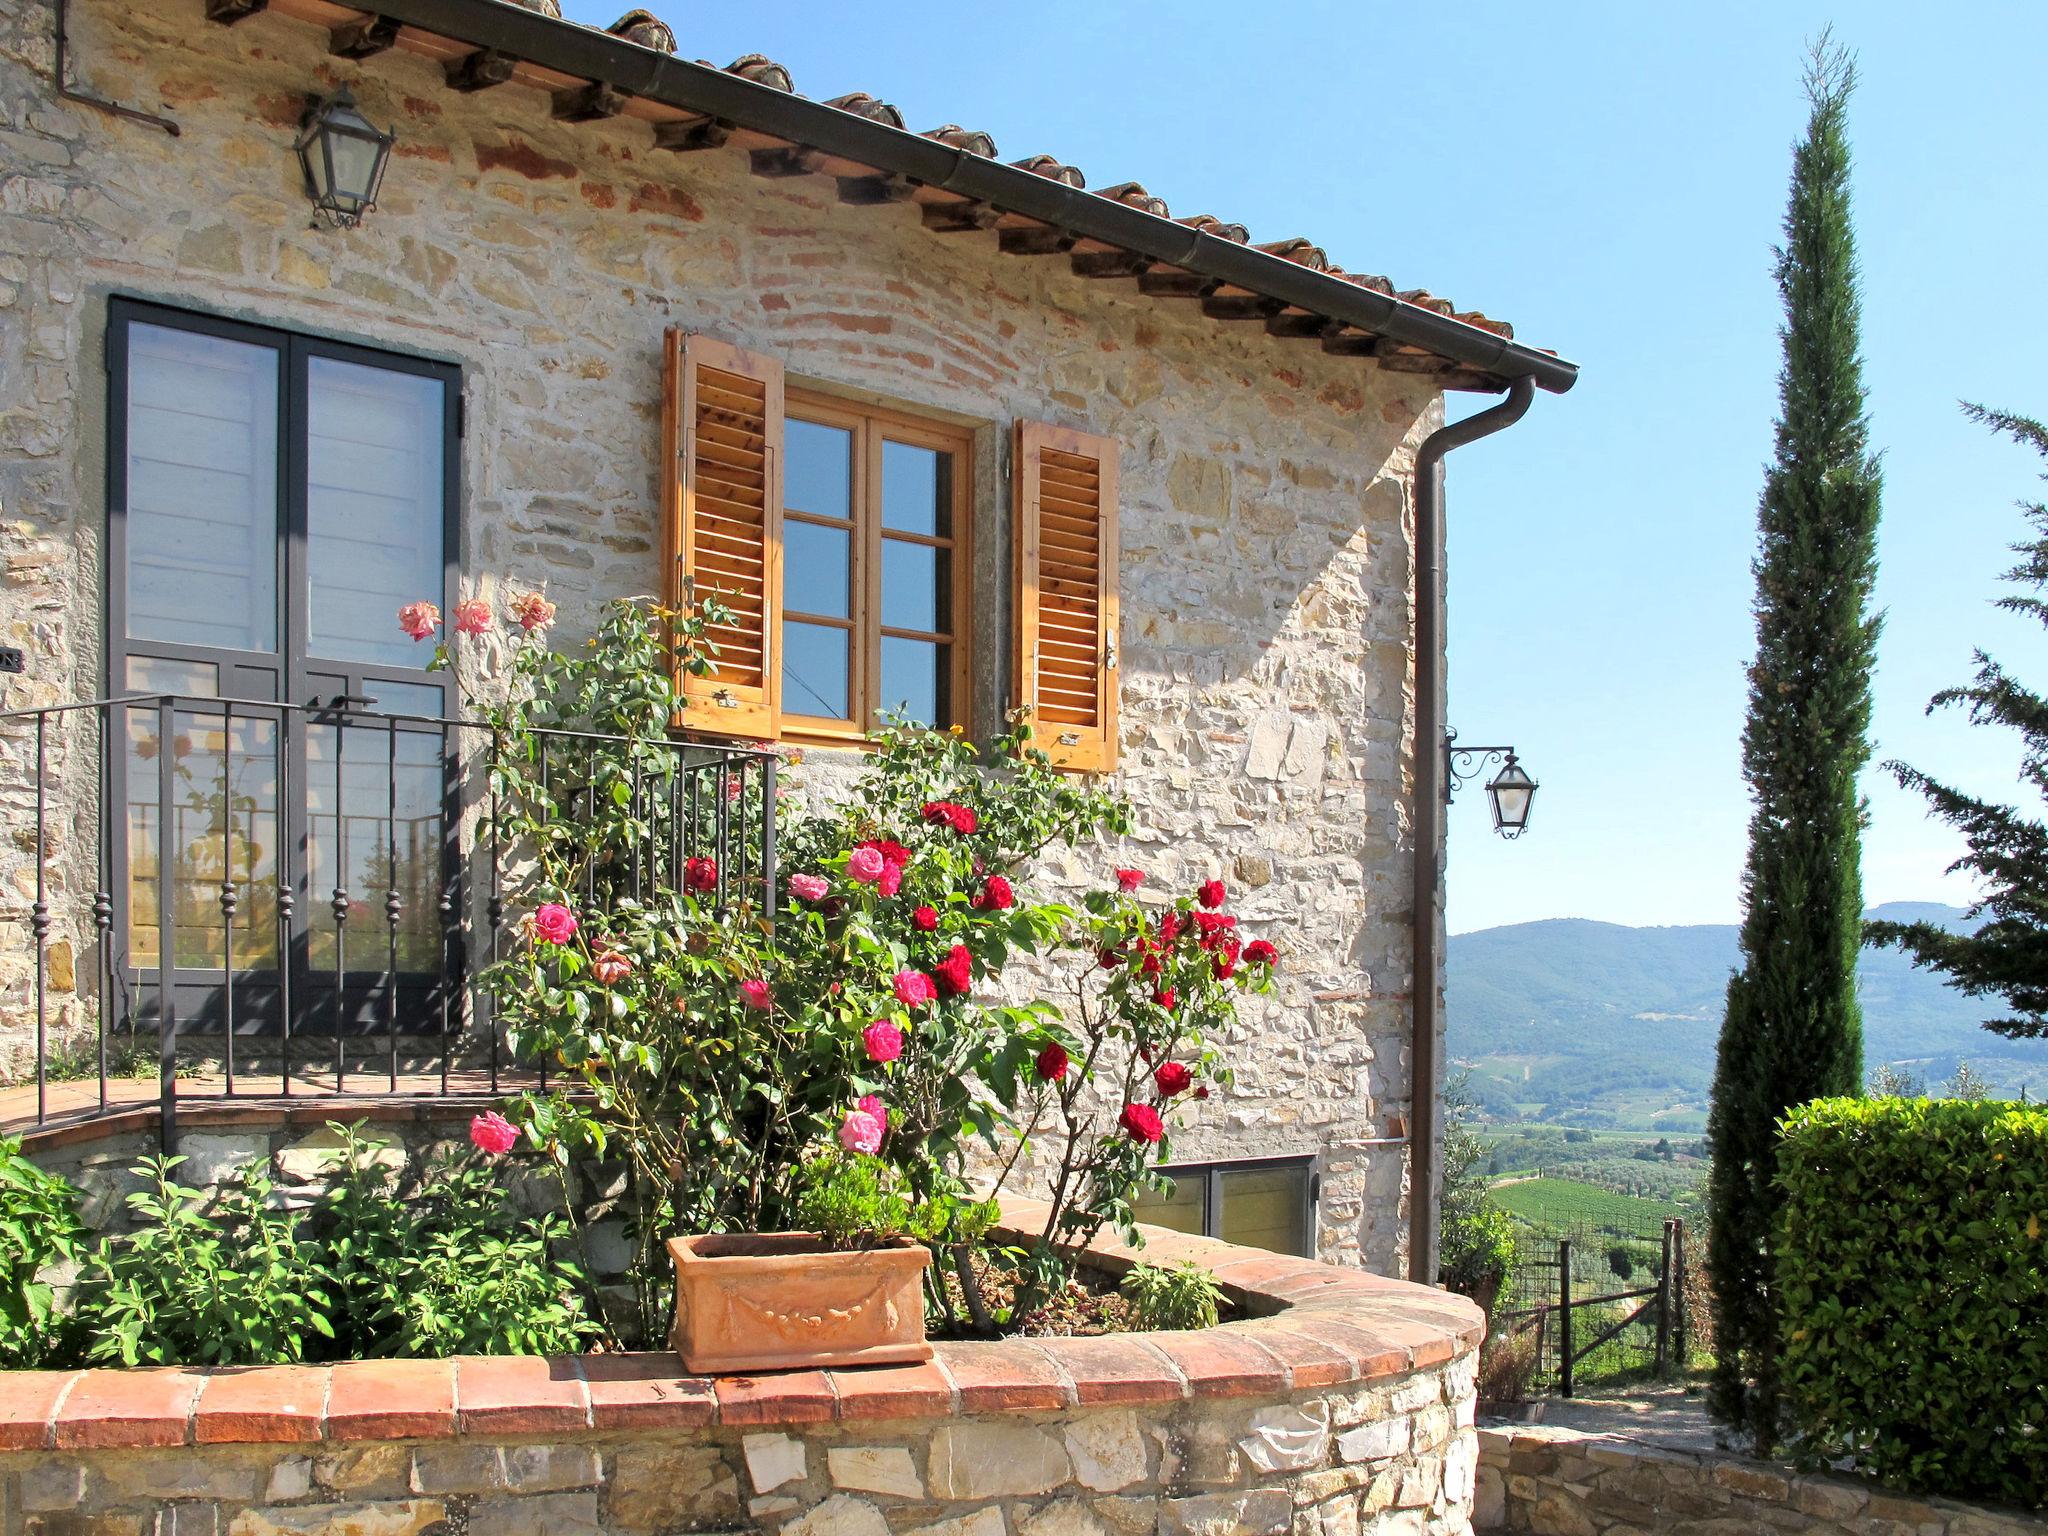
<point x="780" y="1300"/>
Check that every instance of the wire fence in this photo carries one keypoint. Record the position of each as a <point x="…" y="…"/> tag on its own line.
<point x="1603" y="1296"/>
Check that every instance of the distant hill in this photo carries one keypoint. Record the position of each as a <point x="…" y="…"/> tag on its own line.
<point x="1602" y="1024"/>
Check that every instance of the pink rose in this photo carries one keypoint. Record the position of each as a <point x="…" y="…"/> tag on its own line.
<point x="531" y="611"/>
<point x="860" y="1132"/>
<point x="865" y="865"/>
<point x="884" y="1041"/>
<point x="809" y="887"/>
<point x="491" y="1132"/>
<point x="891" y="881"/>
<point x="472" y="616"/>
<point x="872" y="1104"/>
<point x="914" y="988"/>
<point x="554" y="922"/>
<point x="419" y="620"/>
<point x="756" y="993"/>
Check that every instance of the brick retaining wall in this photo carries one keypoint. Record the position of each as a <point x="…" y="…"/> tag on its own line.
<point x="1340" y="1404"/>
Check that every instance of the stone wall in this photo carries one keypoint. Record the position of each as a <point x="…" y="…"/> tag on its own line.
<point x="1342" y="1405"/>
<point x="1555" y="1481"/>
<point x="1266" y="520"/>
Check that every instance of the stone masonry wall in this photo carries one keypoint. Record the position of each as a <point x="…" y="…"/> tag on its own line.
<point x="1334" y="1403"/>
<point x="1266" y="522"/>
<point x="1554" y="1481"/>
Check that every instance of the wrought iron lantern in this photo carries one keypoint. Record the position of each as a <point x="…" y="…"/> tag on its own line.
<point x="343" y="155"/>
<point x="1510" y="792"/>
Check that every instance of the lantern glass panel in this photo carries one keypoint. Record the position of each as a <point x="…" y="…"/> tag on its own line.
<point x="1511" y="792"/>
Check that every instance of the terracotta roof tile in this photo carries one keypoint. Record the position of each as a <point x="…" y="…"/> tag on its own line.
<point x="762" y="70"/>
<point x="1052" y="170"/>
<point x="861" y="104"/>
<point x="973" y="140"/>
<point x="1209" y="224"/>
<point x="1132" y="194"/>
<point x="1422" y="298"/>
<point x="644" y="28"/>
<point x="1303" y="253"/>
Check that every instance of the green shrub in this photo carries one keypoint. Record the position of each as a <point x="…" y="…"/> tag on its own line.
<point x="38" y="1229"/>
<point x="1477" y="1251"/>
<point x="1185" y="1296"/>
<point x="1913" y="1274"/>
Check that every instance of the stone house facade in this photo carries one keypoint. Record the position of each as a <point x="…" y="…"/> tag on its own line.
<point x="563" y="210"/>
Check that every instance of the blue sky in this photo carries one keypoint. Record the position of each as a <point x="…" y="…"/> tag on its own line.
<point x="1610" y="178"/>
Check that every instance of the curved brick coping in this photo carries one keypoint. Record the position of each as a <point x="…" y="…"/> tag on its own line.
<point x="1305" y="1325"/>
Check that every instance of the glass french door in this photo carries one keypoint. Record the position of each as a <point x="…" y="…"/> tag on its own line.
<point x="285" y="781"/>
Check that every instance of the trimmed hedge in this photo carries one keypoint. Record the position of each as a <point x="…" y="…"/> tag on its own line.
<point x="1913" y="1278"/>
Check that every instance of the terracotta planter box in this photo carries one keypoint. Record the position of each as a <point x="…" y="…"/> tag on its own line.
<point x="778" y="1300"/>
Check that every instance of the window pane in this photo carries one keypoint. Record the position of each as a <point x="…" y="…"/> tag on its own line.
<point x="917" y="489"/>
<point x="391" y="698"/>
<point x="374" y="508"/>
<point x="1180" y="1211"/>
<point x="819" y="473"/>
<point x="917" y="584"/>
<point x="202" y="490"/>
<point x="190" y="679"/>
<point x="1266" y="1208"/>
<point x="223" y="820"/>
<point x="915" y="679"/>
<point x="817" y="570"/>
<point x="814" y="670"/>
<point x="356" y="850"/>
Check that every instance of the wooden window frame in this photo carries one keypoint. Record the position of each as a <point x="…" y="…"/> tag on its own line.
<point x="870" y="426"/>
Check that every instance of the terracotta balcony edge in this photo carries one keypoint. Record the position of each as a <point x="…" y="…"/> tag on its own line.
<point x="1304" y="1325"/>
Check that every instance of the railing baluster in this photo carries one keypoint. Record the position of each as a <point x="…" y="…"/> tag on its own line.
<point x="544" y="795"/>
<point x="769" y="904"/>
<point x="227" y="891"/>
<point x="166" y="921"/>
<point x="39" y="925"/>
<point x="495" y="911"/>
<point x="644" y="823"/>
<point x="103" y="897"/>
<point x="287" y="903"/>
<point x="394" y="905"/>
<point x="722" y="811"/>
<point x="339" y="904"/>
<point x="451" y="786"/>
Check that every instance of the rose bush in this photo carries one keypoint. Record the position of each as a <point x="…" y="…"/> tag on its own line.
<point x="865" y="1006"/>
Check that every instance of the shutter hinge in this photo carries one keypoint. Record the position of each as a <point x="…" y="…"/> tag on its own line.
<point x="1109" y="654"/>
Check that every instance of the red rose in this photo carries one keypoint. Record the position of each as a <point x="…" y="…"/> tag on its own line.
<point x="1052" y="1063"/>
<point x="1141" y="1123"/>
<point x="996" y="895"/>
<point x="925" y="919"/>
<point x="955" y="973"/>
<point x="1225" y="966"/>
<point x="1128" y="880"/>
<point x="891" y="880"/>
<point x="1201" y="1090"/>
<point x="700" y="875"/>
<point x="947" y="813"/>
<point x="1213" y="926"/>
<point x="1169" y="925"/>
<point x="892" y="852"/>
<point x="1172" y="1078"/>
<point x="1259" y="952"/>
<point x="1211" y="893"/>
<point x="1109" y="959"/>
<point x="1165" y="998"/>
<point x="1151" y="965"/>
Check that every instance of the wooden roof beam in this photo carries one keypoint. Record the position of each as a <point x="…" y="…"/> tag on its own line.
<point x="961" y="217"/>
<point x="1173" y="283"/>
<point x="1110" y="263"/>
<point x="1041" y="241"/>
<point x="792" y="161"/>
<point x="688" y="137"/>
<point x="1241" y="306"/>
<point x="228" y="12"/>
<point x="589" y="103"/>
<point x="875" y="191"/>
<point x="480" y="71"/>
<point x="364" y="38"/>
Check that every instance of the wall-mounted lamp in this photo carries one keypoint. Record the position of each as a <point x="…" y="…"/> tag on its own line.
<point x="1510" y="792"/>
<point x="343" y="155"/>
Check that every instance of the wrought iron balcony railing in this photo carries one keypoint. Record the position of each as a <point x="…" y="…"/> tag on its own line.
<point x="222" y="899"/>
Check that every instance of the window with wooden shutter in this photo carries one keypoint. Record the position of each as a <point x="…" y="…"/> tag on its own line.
<point x="1066" y="664"/>
<point x="722" y="412"/>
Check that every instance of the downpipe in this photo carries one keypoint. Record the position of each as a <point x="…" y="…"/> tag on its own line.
<point x="1431" y="796"/>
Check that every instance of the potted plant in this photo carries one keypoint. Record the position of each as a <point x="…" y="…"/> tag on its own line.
<point x="847" y="1291"/>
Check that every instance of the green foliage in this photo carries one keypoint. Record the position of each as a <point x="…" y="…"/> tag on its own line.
<point x="2006" y="956"/>
<point x="718" y="1053"/>
<point x="1476" y="1247"/>
<point x="856" y="1202"/>
<point x="1912" y="1271"/>
<point x="233" y="1283"/>
<point x="379" y="1266"/>
<point x="1183" y="1296"/>
<point x="1791" y="1031"/>
<point x="39" y="1228"/>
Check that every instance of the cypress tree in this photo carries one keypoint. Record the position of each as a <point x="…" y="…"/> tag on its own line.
<point x="2007" y="957"/>
<point x="1792" y="1031"/>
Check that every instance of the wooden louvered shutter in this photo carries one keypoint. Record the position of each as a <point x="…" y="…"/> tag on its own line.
<point x="722" y="442"/>
<point x="1066" y="662"/>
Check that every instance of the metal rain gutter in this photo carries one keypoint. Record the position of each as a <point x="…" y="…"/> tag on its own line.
<point x="712" y="92"/>
<point x="1431" y="796"/>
